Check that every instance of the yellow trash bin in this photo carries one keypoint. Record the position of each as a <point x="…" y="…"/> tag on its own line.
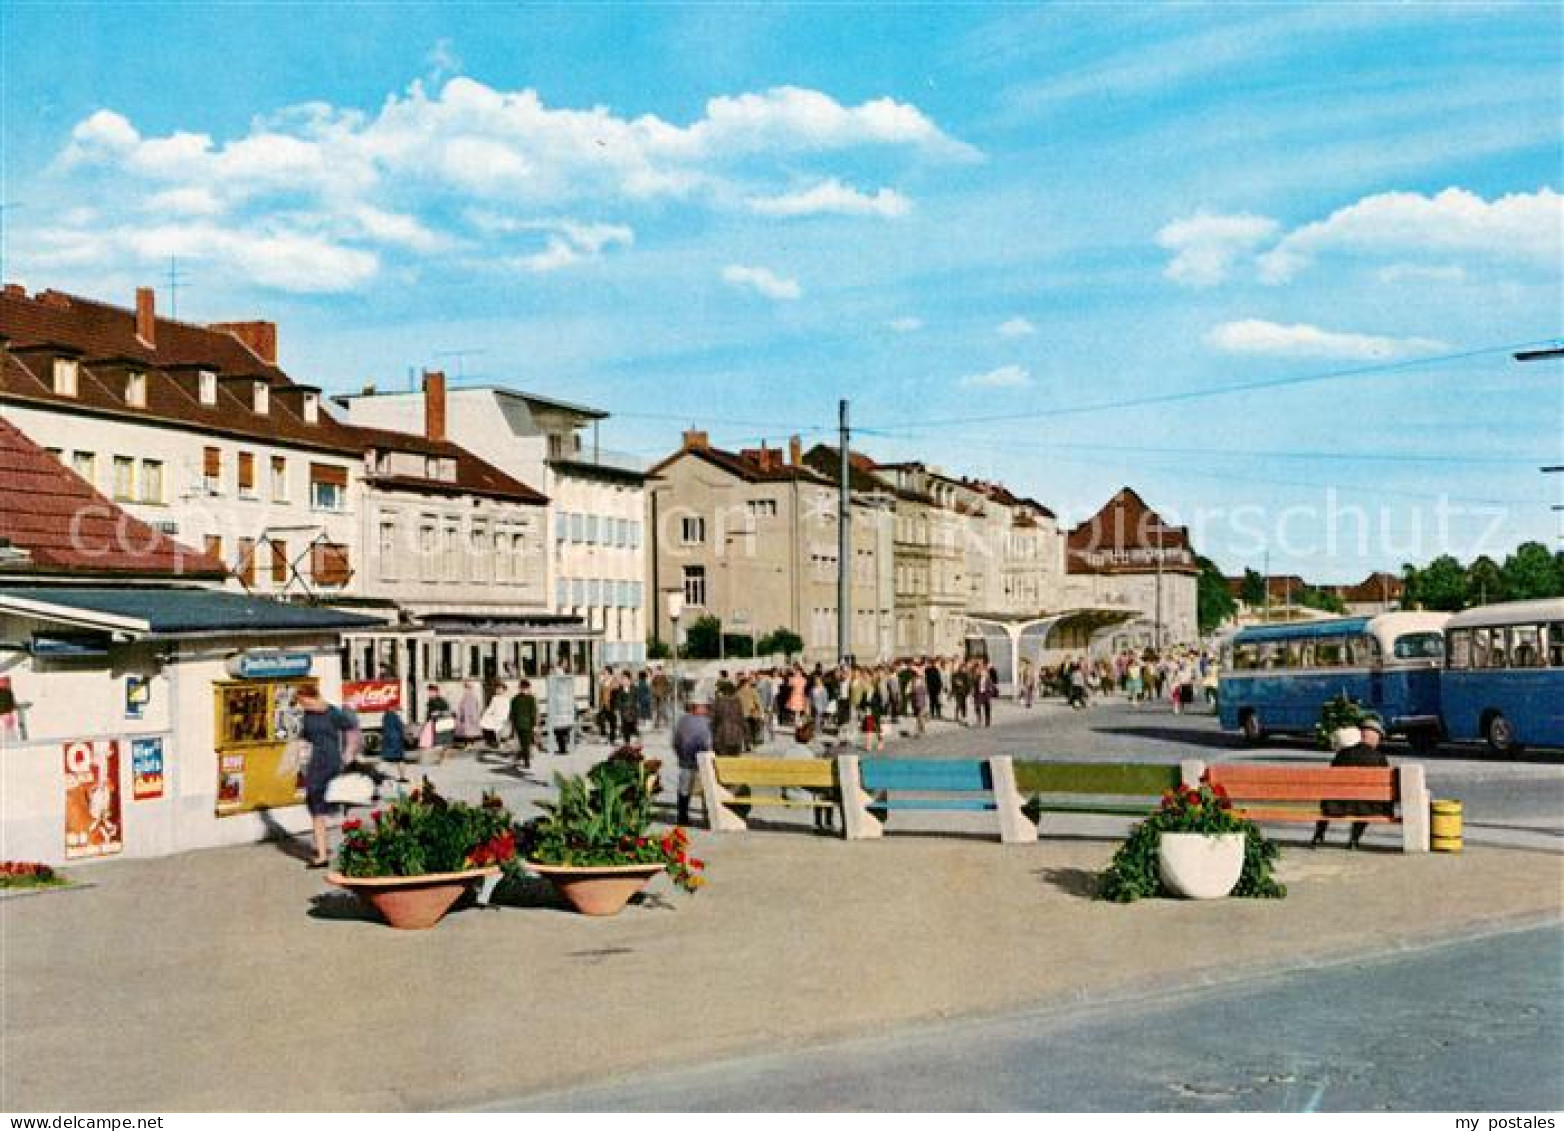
<point x="1445" y="826"/>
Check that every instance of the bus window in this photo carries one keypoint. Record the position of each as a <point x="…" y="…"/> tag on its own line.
<point x="1328" y="652"/>
<point x="1480" y="648"/>
<point x="1246" y="657"/>
<point x="1269" y="655"/>
<point x="1526" y="649"/>
<point x="1498" y="649"/>
<point x="389" y="665"/>
<point x="1419" y="646"/>
<point x="1461" y="649"/>
<point x="1556" y="645"/>
<point x="447" y="668"/>
<point x="1305" y="655"/>
<point x="1362" y="651"/>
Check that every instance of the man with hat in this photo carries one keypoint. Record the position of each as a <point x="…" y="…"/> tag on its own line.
<point x="1364" y="752"/>
<point x="691" y="735"/>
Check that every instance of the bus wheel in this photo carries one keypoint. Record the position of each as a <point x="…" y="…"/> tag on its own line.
<point x="1500" y="735"/>
<point x="1254" y="733"/>
<point x="1424" y="740"/>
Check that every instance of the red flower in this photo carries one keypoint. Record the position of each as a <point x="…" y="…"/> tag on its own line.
<point x="352" y="825"/>
<point x="375" y="815"/>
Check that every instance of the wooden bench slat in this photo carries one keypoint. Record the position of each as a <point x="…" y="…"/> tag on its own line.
<point x="1309" y="815"/>
<point x="819" y="773"/>
<point x="934" y="803"/>
<point x="932" y="775"/>
<point x="773" y="801"/>
<point x="1105" y="808"/>
<point x="1103" y="778"/>
<point x="1233" y="774"/>
<point x="1311" y="793"/>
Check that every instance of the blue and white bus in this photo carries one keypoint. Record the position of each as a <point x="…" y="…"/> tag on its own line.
<point x="1504" y="679"/>
<point x="1278" y="676"/>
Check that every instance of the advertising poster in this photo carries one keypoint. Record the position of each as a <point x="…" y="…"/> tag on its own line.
<point x="372" y="696"/>
<point x="92" y="812"/>
<point x="146" y="769"/>
<point x="254" y="721"/>
<point x="138" y="693"/>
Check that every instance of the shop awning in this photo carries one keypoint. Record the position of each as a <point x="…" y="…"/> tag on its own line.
<point x="153" y="613"/>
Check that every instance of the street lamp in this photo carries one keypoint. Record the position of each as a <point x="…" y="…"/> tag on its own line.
<point x="675" y="611"/>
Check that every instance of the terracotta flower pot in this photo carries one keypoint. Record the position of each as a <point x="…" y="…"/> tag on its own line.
<point x="597" y="891"/>
<point x="1200" y="865"/>
<point x="412" y="903"/>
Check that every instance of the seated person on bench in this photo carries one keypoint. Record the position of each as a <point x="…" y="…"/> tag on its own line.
<point x="1365" y="752"/>
<point x="803" y="735"/>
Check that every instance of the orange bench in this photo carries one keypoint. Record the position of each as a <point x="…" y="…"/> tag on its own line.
<point x="1266" y="793"/>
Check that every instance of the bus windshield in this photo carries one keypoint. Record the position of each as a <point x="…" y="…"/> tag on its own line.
<point x="1420" y="646"/>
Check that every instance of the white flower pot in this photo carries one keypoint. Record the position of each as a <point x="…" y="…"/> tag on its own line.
<point x="1200" y="865"/>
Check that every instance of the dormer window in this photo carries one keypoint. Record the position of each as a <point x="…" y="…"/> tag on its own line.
<point x="311" y="408"/>
<point x="208" y="387"/>
<point x="263" y="398"/>
<point x="65" y="374"/>
<point x="136" y="390"/>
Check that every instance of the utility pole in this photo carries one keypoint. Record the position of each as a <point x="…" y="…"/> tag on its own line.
<point x="176" y="283"/>
<point x="1552" y="352"/>
<point x="844" y="548"/>
<point x="1267" y="580"/>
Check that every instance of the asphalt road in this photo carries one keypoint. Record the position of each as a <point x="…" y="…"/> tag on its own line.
<point x="1516" y="802"/>
<point x="1474" y="1026"/>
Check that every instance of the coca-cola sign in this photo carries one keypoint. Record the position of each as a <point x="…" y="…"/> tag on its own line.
<point x="372" y="695"/>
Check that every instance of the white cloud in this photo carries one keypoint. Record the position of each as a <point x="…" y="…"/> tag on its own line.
<point x="1520" y="227"/>
<point x="763" y="282"/>
<point x="1016" y="328"/>
<point x="1398" y="273"/>
<point x="833" y="197"/>
<point x="1005" y="377"/>
<point x="1206" y="247"/>
<point x="1254" y="336"/>
<point x="377" y="179"/>
<point x="905" y="325"/>
<point x="568" y="241"/>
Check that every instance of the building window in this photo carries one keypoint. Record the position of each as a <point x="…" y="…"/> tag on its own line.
<point x="388" y="550"/>
<point x="65" y="376"/>
<point x="453" y="554"/>
<point x="151" y="481"/>
<point x="247" y="474"/>
<point x="136" y="390"/>
<point x="561" y="594"/>
<point x="502" y="557"/>
<point x="329" y="565"/>
<point x="213" y="545"/>
<point x="124" y="479"/>
<point x="311" y="408"/>
<point x="762" y="508"/>
<point x="480" y="547"/>
<point x="85" y="464"/>
<point x="695" y="586"/>
<point x="279" y="479"/>
<point x="518" y="549"/>
<point x="578" y="527"/>
<point x="208" y="383"/>
<point x="428" y="552"/>
<point x="244" y="568"/>
<point x="262" y="398"/>
<point x="561" y="526"/>
<point x="212" y="470"/>
<point x="328" y="487"/>
<point x="635" y="535"/>
<point x="591" y="528"/>
<point x="692" y="530"/>
<point x="279" y="562"/>
<point x="577" y="592"/>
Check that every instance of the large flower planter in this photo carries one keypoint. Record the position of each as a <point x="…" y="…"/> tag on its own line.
<point x="412" y="903"/>
<point x="1200" y="865"/>
<point x="597" y="891"/>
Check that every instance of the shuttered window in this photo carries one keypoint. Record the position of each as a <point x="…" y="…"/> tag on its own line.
<point x="247" y="473"/>
<point x="328" y="487"/>
<point x="279" y="562"/>
<point x="329" y="564"/>
<point x="212" y="468"/>
<point x="244" y="568"/>
<point x="214" y="545"/>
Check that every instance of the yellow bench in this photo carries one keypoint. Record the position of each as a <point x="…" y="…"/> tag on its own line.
<point x="722" y="777"/>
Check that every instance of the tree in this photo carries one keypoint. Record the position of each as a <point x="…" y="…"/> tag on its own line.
<point x="1213" y="602"/>
<point x="1530" y="573"/>
<point x="1322" y="599"/>
<point x="657" y="649"/>
<point x="701" y="642"/>
<point x="738" y="644"/>
<point x="1485" y="582"/>
<point x="1441" y="585"/>
<point x="783" y="640"/>
<point x="1254" y="589"/>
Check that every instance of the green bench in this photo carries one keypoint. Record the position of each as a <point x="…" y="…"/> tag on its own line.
<point x="1111" y="789"/>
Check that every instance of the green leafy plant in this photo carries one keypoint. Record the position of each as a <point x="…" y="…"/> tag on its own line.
<point x="422" y="833"/>
<point x="603" y="819"/>
<point x="16" y="875"/>
<point x="1133" y="872"/>
<point x="1342" y="711"/>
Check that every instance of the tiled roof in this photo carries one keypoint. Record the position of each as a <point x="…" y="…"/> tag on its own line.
<point x="104" y="340"/>
<point x="1129" y="534"/>
<point x="474" y="476"/>
<point x="748" y="469"/>
<point x="827" y="460"/>
<point x="67" y="527"/>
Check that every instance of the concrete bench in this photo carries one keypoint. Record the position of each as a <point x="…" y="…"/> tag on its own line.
<point x="874" y="787"/>
<point x="1114" y="789"/>
<point x="721" y="777"/>
<point x="1268" y="793"/>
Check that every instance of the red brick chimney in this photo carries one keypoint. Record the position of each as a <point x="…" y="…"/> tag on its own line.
<point x="795" y="451"/>
<point x="434" y="406"/>
<point x="146" y="316"/>
<point x="696" y="440"/>
<point x="259" y="337"/>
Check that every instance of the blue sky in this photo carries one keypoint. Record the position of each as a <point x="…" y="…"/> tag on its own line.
<point x="995" y="229"/>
